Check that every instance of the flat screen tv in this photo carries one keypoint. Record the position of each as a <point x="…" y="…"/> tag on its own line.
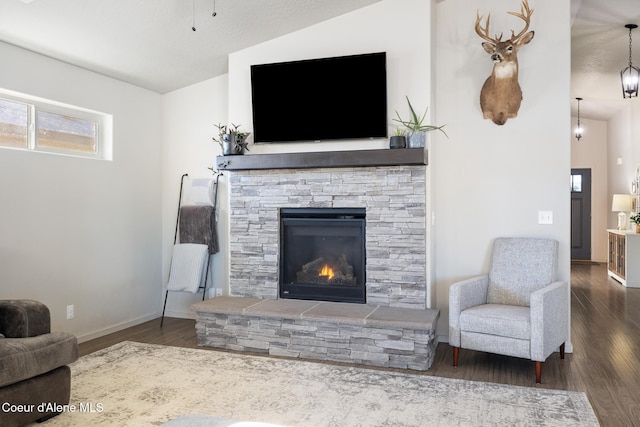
<point x="320" y="99"/>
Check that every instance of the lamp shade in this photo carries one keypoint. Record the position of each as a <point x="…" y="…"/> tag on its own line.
<point x="621" y="203"/>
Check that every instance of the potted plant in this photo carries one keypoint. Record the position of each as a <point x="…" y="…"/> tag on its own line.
<point x="398" y="139"/>
<point x="635" y="218"/>
<point x="231" y="139"/>
<point x="417" y="130"/>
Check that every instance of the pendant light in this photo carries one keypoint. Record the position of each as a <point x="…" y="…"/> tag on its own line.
<point x="630" y="76"/>
<point x="579" y="128"/>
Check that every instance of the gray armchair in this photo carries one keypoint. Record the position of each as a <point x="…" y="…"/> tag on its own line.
<point x="518" y="309"/>
<point x="34" y="376"/>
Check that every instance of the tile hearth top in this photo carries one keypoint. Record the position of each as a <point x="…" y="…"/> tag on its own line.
<point x="324" y="159"/>
<point x="335" y="312"/>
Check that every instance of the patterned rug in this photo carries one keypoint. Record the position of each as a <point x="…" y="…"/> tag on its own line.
<point x="133" y="384"/>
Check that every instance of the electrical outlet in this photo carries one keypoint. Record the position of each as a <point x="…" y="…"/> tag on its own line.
<point x="545" y="217"/>
<point x="218" y="292"/>
<point x="69" y="312"/>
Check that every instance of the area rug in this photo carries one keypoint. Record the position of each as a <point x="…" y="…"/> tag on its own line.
<point x="133" y="384"/>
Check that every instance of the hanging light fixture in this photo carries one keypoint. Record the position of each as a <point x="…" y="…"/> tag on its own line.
<point x="579" y="128"/>
<point x="630" y="76"/>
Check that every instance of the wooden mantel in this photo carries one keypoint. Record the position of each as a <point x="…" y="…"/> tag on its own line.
<point x="325" y="159"/>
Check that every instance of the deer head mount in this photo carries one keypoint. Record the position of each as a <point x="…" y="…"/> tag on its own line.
<point x="501" y="95"/>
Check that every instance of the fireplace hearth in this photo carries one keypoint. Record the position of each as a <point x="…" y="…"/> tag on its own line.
<point x="322" y="254"/>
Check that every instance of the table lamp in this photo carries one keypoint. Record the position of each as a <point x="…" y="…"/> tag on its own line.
<point x="621" y="203"/>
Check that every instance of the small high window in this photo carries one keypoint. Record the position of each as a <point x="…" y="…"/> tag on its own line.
<point x="14" y="121"/>
<point x="38" y="125"/>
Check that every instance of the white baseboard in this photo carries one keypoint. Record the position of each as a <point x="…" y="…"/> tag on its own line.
<point x="180" y="314"/>
<point x="118" y="327"/>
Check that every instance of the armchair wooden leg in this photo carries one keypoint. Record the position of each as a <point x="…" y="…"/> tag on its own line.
<point x="538" y="372"/>
<point x="456" y="352"/>
<point x="539" y="365"/>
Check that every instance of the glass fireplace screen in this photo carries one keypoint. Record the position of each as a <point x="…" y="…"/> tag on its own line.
<point x="322" y="254"/>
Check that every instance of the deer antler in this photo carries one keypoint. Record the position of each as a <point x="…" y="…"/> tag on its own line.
<point x="483" y="32"/>
<point x="525" y="15"/>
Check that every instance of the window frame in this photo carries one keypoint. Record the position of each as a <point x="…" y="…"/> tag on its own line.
<point x="103" y="123"/>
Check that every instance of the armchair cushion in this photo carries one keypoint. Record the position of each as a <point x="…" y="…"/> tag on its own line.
<point x="22" y="358"/>
<point x="520" y="266"/>
<point x="495" y="319"/>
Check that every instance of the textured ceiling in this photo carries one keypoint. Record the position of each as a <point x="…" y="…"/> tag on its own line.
<point x="599" y="50"/>
<point x="150" y="43"/>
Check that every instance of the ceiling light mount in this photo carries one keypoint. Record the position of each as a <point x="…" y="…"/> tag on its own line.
<point x="579" y="129"/>
<point x="193" y="25"/>
<point x="630" y="76"/>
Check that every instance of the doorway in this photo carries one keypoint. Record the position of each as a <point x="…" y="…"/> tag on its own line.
<point x="581" y="214"/>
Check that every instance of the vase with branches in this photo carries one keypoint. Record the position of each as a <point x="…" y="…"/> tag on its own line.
<point x="231" y="139"/>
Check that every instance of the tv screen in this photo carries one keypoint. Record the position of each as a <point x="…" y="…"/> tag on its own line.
<point x="320" y="99"/>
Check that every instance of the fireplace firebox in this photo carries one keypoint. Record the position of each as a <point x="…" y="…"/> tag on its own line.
<point x="322" y="254"/>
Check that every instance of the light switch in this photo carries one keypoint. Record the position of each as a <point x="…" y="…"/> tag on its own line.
<point x="545" y="217"/>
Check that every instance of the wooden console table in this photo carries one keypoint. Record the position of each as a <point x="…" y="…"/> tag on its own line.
<point x="624" y="257"/>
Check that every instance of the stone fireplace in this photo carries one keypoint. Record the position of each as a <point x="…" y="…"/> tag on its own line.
<point x="392" y="197"/>
<point x="330" y="206"/>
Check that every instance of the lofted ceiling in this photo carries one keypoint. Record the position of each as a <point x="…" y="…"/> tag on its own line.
<point x="150" y="43"/>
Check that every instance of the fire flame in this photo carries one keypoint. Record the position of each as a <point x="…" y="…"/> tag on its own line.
<point x="327" y="272"/>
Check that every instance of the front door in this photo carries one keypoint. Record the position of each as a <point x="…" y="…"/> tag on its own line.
<point x="581" y="214"/>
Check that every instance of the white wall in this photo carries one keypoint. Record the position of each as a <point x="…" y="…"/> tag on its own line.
<point x="188" y="124"/>
<point x="634" y="159"/>
<point x="621" y="146"/>
<point x="591" y="153"/>
<point x="399" y="27"/>
<point x="82" y="231"/>
<point x="491" y="181"/>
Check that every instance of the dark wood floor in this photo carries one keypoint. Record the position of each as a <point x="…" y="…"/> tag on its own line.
<point x="604" y="364"/>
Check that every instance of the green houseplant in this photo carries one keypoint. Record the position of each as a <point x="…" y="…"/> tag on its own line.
<point x="231" y="139"/>
<point x="635" y="218"/>
<point x="398" y="139"/>
<point x="417" y="129"/>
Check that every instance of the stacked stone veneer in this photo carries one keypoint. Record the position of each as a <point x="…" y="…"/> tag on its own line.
<point x="395" y="201"/>
<point x="354" y="333"/>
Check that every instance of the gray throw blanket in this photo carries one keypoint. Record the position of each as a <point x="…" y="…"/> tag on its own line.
<point x="198" y="225"/>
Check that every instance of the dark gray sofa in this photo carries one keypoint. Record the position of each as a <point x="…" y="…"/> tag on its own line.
<point x="34" y="376"/>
